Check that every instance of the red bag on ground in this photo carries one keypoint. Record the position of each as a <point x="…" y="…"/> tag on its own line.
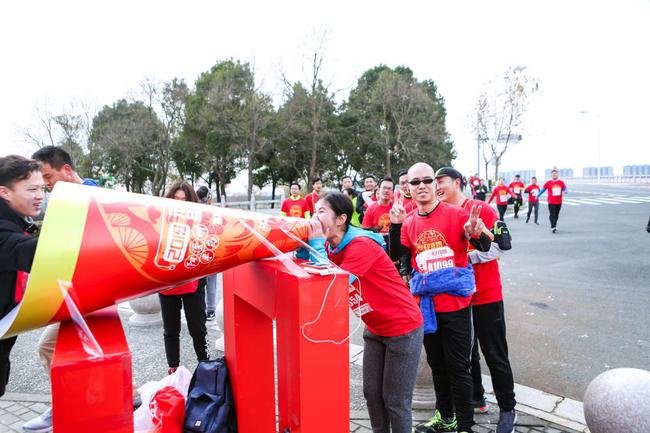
<point x="167" y="408"/>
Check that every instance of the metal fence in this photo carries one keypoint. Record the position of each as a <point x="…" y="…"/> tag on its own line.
<point x="266" y="206"/>
<point x="611" y="179"/>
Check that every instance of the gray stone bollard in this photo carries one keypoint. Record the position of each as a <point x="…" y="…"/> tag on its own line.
<point x="147" y="311"/>
<point x="618" y="401"/>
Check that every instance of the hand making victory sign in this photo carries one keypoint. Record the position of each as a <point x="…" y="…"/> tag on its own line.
<point x="474" y="225"/>
<point x="397" y="212"/>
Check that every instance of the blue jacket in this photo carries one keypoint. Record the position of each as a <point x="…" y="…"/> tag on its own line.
<point x="452" y="281"/>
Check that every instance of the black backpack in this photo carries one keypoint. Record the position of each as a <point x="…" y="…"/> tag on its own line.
<point x="210" y="406"/>
<point x="502" y="235"/>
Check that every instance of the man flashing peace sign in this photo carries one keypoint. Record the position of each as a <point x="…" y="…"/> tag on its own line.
<point x="436" y="238"/>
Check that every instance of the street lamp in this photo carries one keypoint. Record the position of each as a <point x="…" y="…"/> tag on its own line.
<point x="598" y="144"/>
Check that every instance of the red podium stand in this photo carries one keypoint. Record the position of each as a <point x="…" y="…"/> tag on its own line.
<point x="92" y="394"/>
<point x="313" y="378"/>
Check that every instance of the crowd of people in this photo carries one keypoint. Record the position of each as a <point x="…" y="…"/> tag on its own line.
<point x="421" y="254"/>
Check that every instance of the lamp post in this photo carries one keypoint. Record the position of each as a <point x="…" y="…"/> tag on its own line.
<point x="597" y="115"/>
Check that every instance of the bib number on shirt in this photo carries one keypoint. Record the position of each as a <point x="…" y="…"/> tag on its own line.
<point x="358" y="304"/>
<point x="435" y="259"/>
<point x="517" y="190"/>
<point x="556" y="191"/>
<point x="502" y="198"/>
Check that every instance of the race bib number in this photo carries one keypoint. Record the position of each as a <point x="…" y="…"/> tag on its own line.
<point x="502" y="198"/>
<point x="517" y="190"/>
<point x="434" y="259"/>
<point x="358" y="304"/>
<point x="556" y="191"/>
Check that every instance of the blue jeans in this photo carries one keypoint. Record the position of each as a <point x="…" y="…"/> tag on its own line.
<point x="211" y="293"/>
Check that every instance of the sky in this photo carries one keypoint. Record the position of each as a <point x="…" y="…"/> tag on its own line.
<point x="590" y="58"/>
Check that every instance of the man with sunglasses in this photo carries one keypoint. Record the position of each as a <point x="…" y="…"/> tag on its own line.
<point x="436" y="236"/>
<point x="487" y="308"/>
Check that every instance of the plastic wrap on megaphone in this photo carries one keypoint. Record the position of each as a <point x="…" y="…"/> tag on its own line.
<point x="114" y="246"/>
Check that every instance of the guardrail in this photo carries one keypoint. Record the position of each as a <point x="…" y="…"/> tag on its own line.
<point x="612" y="179"/>
<point x="254" y="205"/>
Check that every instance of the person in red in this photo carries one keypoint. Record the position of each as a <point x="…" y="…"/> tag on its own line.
<point x="556" y="188"/>
<point x="392" y="339"/>
<point x="295" y="206"/>
<point x="533" y="202"/>
<point x="189" y="296"/>
<point x="487" y="307"/>
<point x="315" y="194"/>
<point x="377" y="216"/>
<point x="517" y="188"/>
<point x="436" y="236"/>
<point x="501" y="192"/>
<point x="367" y="197"/>
<point x="474" y="182"/>
<point x="407" y="200"/>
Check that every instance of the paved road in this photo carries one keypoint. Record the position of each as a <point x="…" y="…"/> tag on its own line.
<point x="577" y="301"/>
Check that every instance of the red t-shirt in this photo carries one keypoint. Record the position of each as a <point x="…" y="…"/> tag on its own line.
<point x="517" y="187"/>
<point x="395" y="311"/>
<point x="183" y="289"/>
<point x="554" y="189"/>
<point x="438" y="241"/>
<point x="377" y="216"/>
<point x="487" y="275"/>
<point x="295" y="207"/>
<point x="311" y="200"/>
<point x="410" y="206"/>
<point x="474" y="182"/>
<point x="532" y="190"/>
<point x="501" y="193"/>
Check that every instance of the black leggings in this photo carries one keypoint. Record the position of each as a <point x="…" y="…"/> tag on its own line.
<point x="502" y="210"/>
<point x="5" y="350"/>
<point x="194" y="306"/>
<point x="554" y="213"/>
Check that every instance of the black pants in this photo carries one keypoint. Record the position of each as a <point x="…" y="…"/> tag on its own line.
<point x="531" y="205"/>
<point x="490" y="331"/>
<point x="5" y="350"/>
<point x="449" y="352"/>
<point x="554" y="213"/>
<point x="518" y="202"/>
<point x="502" y="210"/>
<point x="194" y="305"/>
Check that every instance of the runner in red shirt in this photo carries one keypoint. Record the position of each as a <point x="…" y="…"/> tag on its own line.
<point x="487" y="307"/>
<point x="533" y="202"/>
<point x="517" y="188"/>
<point x="317" y="193"/>
<point x="474" y="183"/>
<point x="377" y="217"/>
<point x="555" y="188"/>
<point x="295" y="206"/>
<point x="436" y="236"/>
<point x="501" y="192"/>
<point x="392" y="339"/>
<point x="407" y="200"/>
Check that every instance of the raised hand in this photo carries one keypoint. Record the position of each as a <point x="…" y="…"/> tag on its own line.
<point x="474" y="225"/>
<point x="316" y="229"/>
<point x="397" y="212"/>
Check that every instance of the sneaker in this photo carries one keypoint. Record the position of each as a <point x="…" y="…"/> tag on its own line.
<point x="40" y="424"/>
<point x="553" y="229"/>
<point x="209" y="316"/>
<point x="507" y="420"/>
<point x="437" y="424"/>
<point x="527" y="219"/>
<point x="536" y="223"/>
<point x="481" y="406"/>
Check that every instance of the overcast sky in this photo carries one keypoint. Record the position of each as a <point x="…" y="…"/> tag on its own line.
<point x="587" y="55"/>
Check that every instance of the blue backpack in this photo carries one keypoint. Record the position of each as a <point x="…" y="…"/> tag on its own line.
<point x="210" y="406"/>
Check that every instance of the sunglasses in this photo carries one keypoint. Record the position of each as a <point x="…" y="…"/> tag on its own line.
<point x="426" y="181"/>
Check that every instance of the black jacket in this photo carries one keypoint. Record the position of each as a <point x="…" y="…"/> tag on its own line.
<point x="17" y="251"/>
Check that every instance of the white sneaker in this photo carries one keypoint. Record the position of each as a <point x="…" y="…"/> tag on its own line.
<point x="40" y="424"/>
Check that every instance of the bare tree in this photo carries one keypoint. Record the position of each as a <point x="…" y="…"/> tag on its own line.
<point x="499" y="113"/>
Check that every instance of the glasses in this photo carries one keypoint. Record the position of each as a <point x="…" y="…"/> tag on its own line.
<point x="426" y="181"/>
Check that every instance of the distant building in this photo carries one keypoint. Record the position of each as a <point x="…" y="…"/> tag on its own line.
<point x="593" y="171"/>
<point x="509" y="176"/>
<point x="563" y="172"/>
<point x="636" y="170"/>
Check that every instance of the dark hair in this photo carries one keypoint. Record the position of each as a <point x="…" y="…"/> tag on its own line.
<point x="340" y="204"/>
<point x="14" y="168"/>
<point x="190" y="194"/>
<point x="55" y="156"/>
<point x="369" y="176"/>
<point x="554" y="170"/>
<point x="346" y="177"/>
<point x="295" y="183"/>
<point x="202" y="192"/>
<point x="350" y="191"/>
<point x="316" y="179"/>
<point x="534" y="177"/>
<point x="386" y="179"/>
<point x="517" y="175"/>
<point x="402" y="173"/>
